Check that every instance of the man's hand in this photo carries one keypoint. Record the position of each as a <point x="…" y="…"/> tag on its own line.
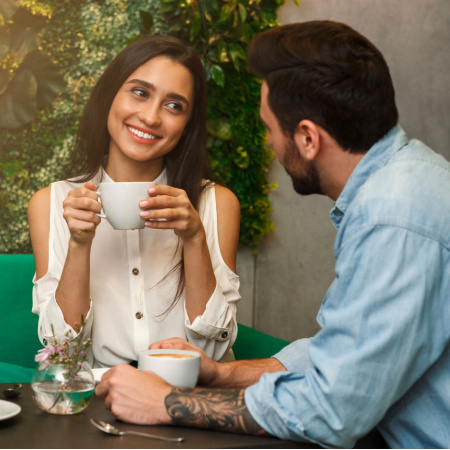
<point x="209" y="369"/>
<point x="134" y="396"/>
<point x="234" y="374"/>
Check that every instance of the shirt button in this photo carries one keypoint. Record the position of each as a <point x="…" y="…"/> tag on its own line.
<point x="224" y="334"/>
<point x="135" y="271"/>
<point x="139" y="315"/>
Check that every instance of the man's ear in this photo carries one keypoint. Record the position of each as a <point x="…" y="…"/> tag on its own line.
<point x="307" y="138"/>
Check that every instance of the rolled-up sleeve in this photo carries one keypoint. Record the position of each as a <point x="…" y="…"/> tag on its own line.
<point x="215" y="331"/>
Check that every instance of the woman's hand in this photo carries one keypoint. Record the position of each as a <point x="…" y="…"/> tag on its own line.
<point x="80" y="207"/>
<point x="174" y="206"/>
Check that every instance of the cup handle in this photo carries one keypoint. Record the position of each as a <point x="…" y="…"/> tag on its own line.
<point x="102" y="216"/>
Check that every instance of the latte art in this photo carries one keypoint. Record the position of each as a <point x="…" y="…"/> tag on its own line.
<point x="170" y="355"/>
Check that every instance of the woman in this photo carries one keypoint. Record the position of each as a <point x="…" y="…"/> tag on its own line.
<point x="145" y="121"/>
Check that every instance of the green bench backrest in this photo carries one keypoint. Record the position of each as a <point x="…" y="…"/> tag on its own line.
<point x="18" y="325"/>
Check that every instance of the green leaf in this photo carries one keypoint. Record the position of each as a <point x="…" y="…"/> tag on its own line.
<point x="8" y="8"/>
<point x="146" y="21"/>
<point x="235" y="19"/>
<point x="224" y="14"/>
<point x="218" y="75"/>
<point x="49" y="80"/>
<point x="212" y="5"/>
<point x="242" y="12"/>
<point x="234" y="59"/>
<point x="196" y="26"/>
<point x="297" y="2"/>
<point x="236" y="48"/>
<point x="4" y="43"/>
<point x="18" y="103"/>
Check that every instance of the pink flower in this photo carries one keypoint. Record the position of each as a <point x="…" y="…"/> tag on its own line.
<point x="44" y="354"/>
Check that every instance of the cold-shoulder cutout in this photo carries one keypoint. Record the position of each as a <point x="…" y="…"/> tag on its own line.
<point x="39" y="222"/>
<point x="228" y="221"/>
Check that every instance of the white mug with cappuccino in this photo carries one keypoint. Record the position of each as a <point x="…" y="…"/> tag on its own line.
<point x="179" y="368"/>
<point x="120" y="203"/>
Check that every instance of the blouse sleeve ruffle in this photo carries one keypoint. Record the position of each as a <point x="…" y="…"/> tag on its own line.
<point x="215" y="331"/>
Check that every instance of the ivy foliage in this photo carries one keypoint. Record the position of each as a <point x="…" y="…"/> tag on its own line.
<point x="81" y="37"/>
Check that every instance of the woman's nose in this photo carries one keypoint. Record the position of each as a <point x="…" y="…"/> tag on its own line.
<point x="150" y="115"/>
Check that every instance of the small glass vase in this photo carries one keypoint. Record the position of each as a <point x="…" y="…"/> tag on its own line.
<point x="62" y="389"/>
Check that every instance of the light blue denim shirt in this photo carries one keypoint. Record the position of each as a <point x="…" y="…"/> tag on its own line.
<point x="382" y="356"/>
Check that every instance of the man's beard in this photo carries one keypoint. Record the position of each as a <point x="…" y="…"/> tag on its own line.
<point x="304" y="174"/>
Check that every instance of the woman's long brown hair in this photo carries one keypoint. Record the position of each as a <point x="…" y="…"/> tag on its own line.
<point x="186" y="164"/>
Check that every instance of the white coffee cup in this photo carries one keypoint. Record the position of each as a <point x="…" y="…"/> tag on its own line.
<point x="120" y="203"/>
<point x="179" y="368"/>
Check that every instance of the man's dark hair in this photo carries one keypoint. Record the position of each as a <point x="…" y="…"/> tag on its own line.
<point x="328" y="73"/>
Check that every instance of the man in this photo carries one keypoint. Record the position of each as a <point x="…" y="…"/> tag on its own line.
<point x="382" y="356"/>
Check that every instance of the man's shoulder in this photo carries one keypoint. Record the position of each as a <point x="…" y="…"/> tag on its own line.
<point x="412" y="190"/>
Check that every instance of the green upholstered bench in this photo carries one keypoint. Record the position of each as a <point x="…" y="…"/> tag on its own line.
<point x="18" y="325"/>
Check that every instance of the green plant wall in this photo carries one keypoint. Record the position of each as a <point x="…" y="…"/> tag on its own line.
<point x="81" y="37"/>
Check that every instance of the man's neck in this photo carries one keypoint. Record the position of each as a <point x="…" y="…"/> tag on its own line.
<point x="335" y="167"/>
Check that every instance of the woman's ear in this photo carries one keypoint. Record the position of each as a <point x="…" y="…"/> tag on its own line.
<point x="307" y="138"/>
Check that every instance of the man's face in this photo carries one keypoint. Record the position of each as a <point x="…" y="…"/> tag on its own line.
<point x="304" y="174"/>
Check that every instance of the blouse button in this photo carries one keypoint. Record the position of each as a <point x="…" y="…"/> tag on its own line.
<point x="224" y="334"/>
<point x="139" y="315"/>
<point x="135" y="271"/>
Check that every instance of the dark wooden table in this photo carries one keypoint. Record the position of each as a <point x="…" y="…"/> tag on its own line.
<point x="33" y="428"/>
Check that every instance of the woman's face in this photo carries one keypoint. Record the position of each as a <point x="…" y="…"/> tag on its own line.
<point x="150" y="111"/>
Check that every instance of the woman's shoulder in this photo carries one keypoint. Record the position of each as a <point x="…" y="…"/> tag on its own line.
<point x="225" y="198"/>
<point x="40" y="199"/>
<point x="222" y="199"/>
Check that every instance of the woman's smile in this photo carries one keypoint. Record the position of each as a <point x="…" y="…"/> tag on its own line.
<point x="141" y="135"/>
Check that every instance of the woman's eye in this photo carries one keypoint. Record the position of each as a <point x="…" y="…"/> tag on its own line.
<point x="139" y="92"/>
<point x="175" y="106"/>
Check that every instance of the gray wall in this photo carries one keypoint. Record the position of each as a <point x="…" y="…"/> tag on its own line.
<point x="283" y="286"/>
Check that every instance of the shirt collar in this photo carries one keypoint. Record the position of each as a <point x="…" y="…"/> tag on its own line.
<point x="376" y="157"/>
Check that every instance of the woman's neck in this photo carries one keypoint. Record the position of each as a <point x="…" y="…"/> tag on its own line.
<point x="129" y="170"/>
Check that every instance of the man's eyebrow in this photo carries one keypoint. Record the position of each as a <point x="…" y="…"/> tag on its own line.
<point x="151" y="87"/>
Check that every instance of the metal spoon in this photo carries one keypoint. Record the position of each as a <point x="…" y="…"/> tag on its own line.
<point x="110" y="429"/>
<point x="12" y="392"/>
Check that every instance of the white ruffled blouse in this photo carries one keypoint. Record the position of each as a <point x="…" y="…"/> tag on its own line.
<point x="129" y="294"/>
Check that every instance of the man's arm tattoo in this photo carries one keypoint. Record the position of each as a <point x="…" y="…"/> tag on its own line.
<point x="213" y="409"/>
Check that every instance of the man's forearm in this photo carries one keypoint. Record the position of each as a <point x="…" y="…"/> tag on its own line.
<point x="223" y="408"/>
<point x="241" y="374"/>
<point x="213" y="409"/>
